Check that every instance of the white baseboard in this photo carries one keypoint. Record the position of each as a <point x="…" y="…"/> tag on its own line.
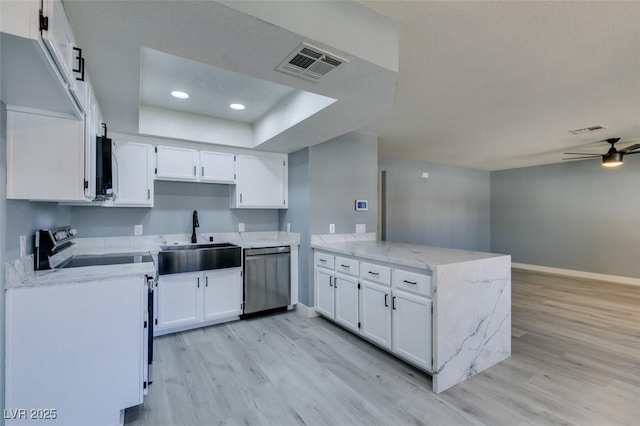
<point x="306" y="311"/>
<point x="579" y="274"/>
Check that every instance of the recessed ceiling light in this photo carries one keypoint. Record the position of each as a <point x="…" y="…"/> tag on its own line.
<point x="238" y="107"/>
<point x="180" y="95"/>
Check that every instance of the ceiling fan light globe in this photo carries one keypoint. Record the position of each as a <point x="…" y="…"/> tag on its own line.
<point x="612" y="160"/>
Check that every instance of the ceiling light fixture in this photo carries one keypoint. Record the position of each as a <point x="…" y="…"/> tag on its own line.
<point x="612" y="160"/>
<point x="237" y="107"/>
<point x="180" y="95"/>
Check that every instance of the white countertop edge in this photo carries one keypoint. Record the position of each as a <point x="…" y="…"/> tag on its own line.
<point x="409" y="255"/>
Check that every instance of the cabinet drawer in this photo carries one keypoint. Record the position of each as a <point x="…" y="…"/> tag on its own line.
<point x="376" y="273"/>
<point x="348" y="266"/>
<point x="325" y="260"/>
<point x="409" y="281"/>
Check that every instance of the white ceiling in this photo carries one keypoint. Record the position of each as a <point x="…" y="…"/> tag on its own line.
<point x="211" y="89"/>
<point x="486" y="85"/>
<point x="497" y="85"/>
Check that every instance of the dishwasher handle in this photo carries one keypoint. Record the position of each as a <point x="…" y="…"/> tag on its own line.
<point x="267" y="250"/>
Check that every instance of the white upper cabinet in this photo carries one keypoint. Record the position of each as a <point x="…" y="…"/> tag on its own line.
<point x="174" y="163"/>
<point x="45" y="156"/>
<point x="262" y="182"/>
<point x="133" y="174"/>
<point x="43" y="68"/>
<point x="58" y="37"/>
<point x="217" y="167"/>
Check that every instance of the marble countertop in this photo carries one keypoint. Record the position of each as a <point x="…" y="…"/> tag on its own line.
<point x="414" y="256"/>
<point x="20" y="273"/>
<point x="27" y="277"/>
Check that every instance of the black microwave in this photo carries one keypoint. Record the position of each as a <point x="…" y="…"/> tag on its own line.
<point x="104" y="177"/>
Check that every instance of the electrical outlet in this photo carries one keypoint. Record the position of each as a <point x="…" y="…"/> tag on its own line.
<point x="361" y="228"/>
<point x="332" y="228"/>
<point x="288" y="227"/>
<point x="23" y="245"/>
<point x="137" y="229"/>
<point x="241" y="227"/>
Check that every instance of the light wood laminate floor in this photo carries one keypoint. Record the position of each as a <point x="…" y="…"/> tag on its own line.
<point x="575" y="361"/>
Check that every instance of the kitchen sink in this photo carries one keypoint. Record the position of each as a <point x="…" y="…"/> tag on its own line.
<point x="176" y="259"/>
<point x="197" y="246"/>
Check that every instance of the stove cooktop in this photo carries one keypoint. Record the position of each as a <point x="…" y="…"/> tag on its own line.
<point x="106" y="259"/>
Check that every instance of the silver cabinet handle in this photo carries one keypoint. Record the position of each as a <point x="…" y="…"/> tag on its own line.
<point x="202" y="170"/>
<point x="374" y="273"/>
<point x="198" y="282"/>
<point x="330" y="281"/>
<point x="345" y="266"/>
<point x="323" y="260"/>
<point x="206" y="281"/>
<point x="410" y="282"/>
<point x="394" y="302"/>
<point x="148" y="194"/>
<point x="386" y="300"/>
<point x="194" y="170"/>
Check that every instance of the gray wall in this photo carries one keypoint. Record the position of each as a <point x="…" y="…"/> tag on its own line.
<point x="449" y="209"/>
<point x="574" y="215"/>
<point x="174" y="203"/>
<point x="343" y="170"/>
<point x="324" y="182"/>
<point x="298" y="216"/>
<point x="3" y="226"/>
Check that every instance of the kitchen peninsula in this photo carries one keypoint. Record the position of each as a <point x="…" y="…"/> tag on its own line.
<point x="446" y="311"/>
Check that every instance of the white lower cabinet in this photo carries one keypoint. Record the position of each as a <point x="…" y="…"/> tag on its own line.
<point x="346" y="303"/>
<point x="325" y="294"/>
<point x="222" y="294"/>
<point x="375" y="313"/>
<point x="179" y="300"/>
<point x="412" y="328"/>
<point x="76" y="352"/>
<point x="388" y="306"/>
<point x="195" y="299"/>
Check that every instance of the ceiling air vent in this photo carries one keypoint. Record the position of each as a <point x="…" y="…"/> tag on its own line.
<point x="587" y="130"/>
<point x="309" y="62"/>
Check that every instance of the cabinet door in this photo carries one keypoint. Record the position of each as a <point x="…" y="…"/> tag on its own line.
<point x="133" y="174"/>
<point x="58" y="38"/>
<point x="179" y="299"/>
<point x="375" y="313"/>
<point x="88" y="335"/>
<point x="325" y="296"/>
<point x="262" y="182"/>
<point x="217" y="167"/>
<point x="412" y="328"/>
<point x="346" y="290"/>
<point x="175" y="163"/>
<point x="222" y="293"/>
<point x="45" y="157"/>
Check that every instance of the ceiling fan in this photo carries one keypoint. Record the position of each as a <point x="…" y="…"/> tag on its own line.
<point x="613" y="157"/>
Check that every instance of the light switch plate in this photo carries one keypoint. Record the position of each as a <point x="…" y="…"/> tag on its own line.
<point x="361" y="228"/>
<point x="23" y="245"/>
<point x="240" y="226"/>
<point x="288" y="227"/>
<point x="332" y="228"/>
<point x="137" y="229"/>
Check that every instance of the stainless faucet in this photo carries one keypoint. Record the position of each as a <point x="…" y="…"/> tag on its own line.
<point x="195" y="225"/>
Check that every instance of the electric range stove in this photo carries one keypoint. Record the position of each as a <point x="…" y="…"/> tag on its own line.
<point x="105" y="259"/>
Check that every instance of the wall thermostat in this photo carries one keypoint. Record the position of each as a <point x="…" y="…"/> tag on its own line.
<point x="362" y="205"/>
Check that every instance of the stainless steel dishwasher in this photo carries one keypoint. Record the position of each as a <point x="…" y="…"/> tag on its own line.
<point x="267" y="279"/>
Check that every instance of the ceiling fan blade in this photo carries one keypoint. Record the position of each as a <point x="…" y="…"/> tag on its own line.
<point x="628" y="149"/>
<point x="634" y="152"/>
<point x="581" y="153"/>
<point x="582" y="158"/>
